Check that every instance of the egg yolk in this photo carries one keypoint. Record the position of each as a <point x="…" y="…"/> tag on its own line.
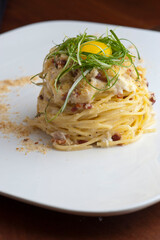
<point x="96" y="48"/>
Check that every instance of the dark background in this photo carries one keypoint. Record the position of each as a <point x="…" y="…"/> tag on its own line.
<point x="134" y="13"/>
<point x="22" y="221"/>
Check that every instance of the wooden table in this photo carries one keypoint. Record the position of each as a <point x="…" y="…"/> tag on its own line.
<point x="135" y="13"/>
<point x="22" y="221"/>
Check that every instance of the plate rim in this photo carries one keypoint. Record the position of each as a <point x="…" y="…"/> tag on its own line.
<point x="115" y="212"/>
<point x="133" y="208"/>
<point x="78" y="21"/>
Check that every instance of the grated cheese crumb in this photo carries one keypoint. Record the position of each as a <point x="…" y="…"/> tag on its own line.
<point x="21" y="130"/>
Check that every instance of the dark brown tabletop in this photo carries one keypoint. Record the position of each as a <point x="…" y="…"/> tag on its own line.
<point x="22" y="221"/>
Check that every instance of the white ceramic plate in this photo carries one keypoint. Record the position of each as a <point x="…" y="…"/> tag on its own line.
<point x="92" y="182"/>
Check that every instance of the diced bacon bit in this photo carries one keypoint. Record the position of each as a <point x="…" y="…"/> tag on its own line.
<point x="59" y="141"/>
<point x="81" y="106"/>
<point x="67" y="136"/>
<point x="76" y="93"/>
<point x="25" y="139"/>
<point x="56" y="64"/>
<point x="77" y="107"/>
<point x="129" y="71"/>
<point x="125" y="97"/>
<point x="64" y="96"/>
<point x="81" y="141"/>
<point x="116" y="137"/>
<point x="152" y="98"/>
<point x="74" y="109"/>
<point x="41" y="97"/>
<point x="101" y="76"/>
<point x="74" y="72"/>
<point x="147" y="83"/>
<point x="60" y="63"/>
<point x="120" y="144"/>
<point x="38" y="115"/>
<point x="119" y="95"/>
<point x="59" y="138"/>
<point x="87" y="106"/>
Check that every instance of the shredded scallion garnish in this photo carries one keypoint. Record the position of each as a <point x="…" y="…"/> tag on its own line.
<point x="86" y="61"/>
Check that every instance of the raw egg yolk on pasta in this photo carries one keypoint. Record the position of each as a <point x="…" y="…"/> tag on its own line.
<point x="96" y="48"/>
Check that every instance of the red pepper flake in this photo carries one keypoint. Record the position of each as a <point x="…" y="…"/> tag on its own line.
<point x="36" y="143"/>
<point x="152" y="98"/>
<point x="116" y="137"/>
